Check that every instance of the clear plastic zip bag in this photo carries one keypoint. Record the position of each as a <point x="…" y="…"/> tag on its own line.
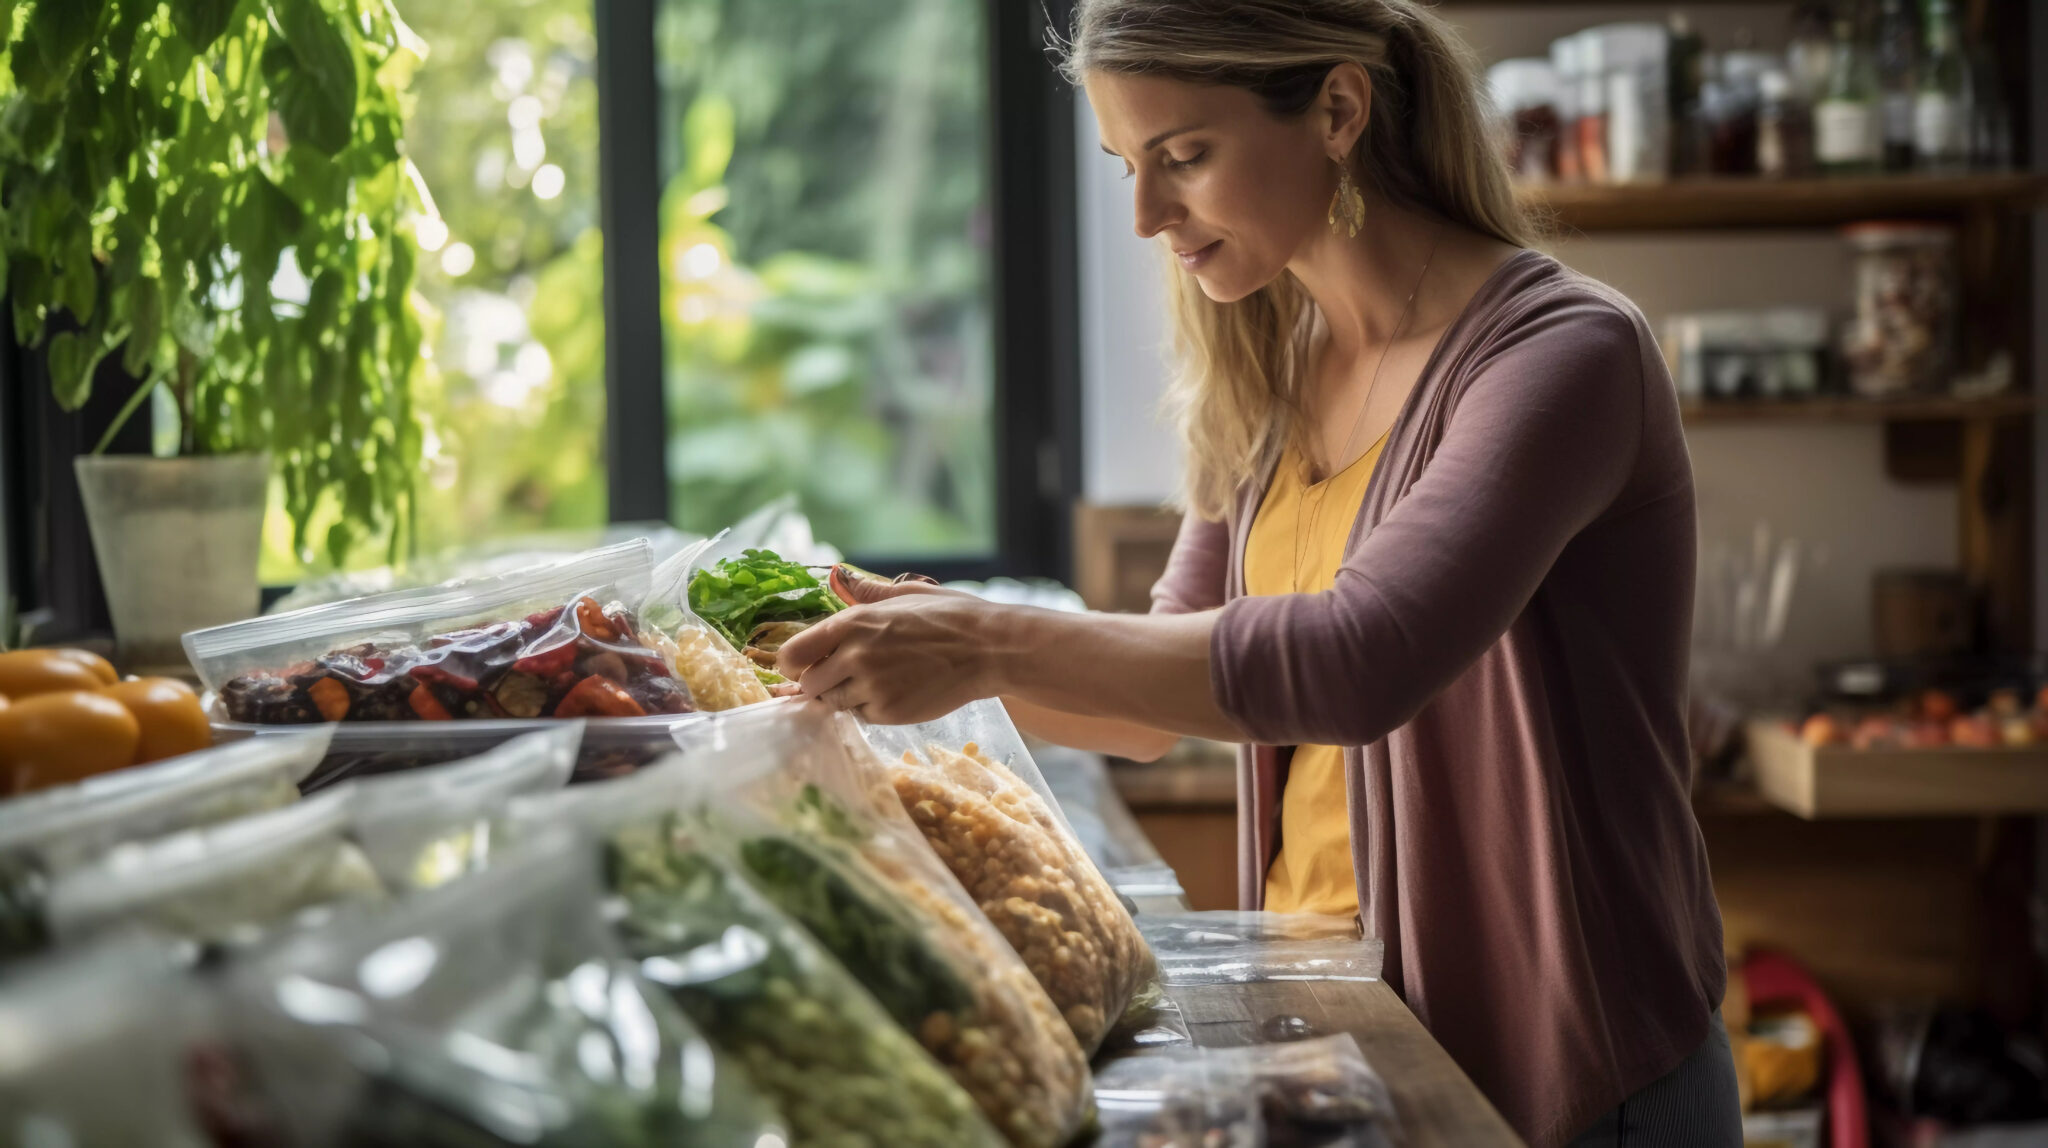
<point x="227" y="885"/>
<point x="496" y="1010"/>
<point x="555" y="641"/>
<point x="761" y="989"/>
<point x="46" y="834"/>
<point x="1229" y="947"/>
<point x="1314" y="1092"/>
<point x="969" y="784"/>
<point x="95" y="1049"/>
<point x="809" y="815"/>
<point x="427" y="827"/>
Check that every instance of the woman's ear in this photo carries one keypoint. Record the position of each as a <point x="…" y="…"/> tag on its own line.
<point x="1344" y="107"/>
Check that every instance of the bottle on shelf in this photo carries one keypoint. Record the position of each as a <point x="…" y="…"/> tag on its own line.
<point x="1685" y="60"/>
<point x="1810" y="52"/>
<point x="1941" y="108"/>
<point x="1990" y="115"/>
<point x="1897" y="58"/>
<point x="1845" y="119"/>
<point x="1784" y="128"/>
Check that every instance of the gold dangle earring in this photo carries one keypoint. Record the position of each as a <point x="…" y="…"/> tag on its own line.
<point x="1347" y="206"/>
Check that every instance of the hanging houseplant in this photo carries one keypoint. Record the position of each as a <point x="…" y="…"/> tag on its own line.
<point x="215" y="191"/>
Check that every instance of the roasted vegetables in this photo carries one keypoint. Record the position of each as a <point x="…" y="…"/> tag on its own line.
<point x="577" y="660"/>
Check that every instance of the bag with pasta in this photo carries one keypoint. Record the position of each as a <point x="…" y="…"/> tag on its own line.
<point x="810" y="1037"/>
<point x="969" y="784"/>
<point x="809" y="816"/>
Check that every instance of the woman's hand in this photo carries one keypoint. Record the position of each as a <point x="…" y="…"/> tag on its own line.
<point x="904" y="652"/>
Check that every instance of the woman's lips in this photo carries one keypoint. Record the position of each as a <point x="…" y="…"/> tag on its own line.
<point x="1198" y="256"/>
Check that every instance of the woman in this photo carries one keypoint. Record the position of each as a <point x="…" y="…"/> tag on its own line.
<point x="1437" y="562"/>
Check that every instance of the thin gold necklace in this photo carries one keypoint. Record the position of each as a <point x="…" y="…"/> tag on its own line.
<point x="1315" y="514"/>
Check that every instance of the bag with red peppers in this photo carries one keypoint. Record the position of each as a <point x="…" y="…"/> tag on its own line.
<point x="546" y="641"/>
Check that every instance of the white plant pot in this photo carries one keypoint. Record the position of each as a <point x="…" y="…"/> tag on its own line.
<point x="177" y="541"/>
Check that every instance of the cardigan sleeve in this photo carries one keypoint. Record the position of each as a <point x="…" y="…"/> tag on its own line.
<point x="1196" y="568"/>
<point x="1540" y="442"/>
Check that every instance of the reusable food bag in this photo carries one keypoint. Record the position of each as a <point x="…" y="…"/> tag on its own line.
<point x="809" y="816"/>
<point x="970" y="786"/>
<point x="1227" y="947"/>
<point x="95" y="1049"/>
<point x="1318" y="1091"/>
<point x="427" y="827"/>
<point x="728" y="611"/>
<point x="46" y="834"/>
<point x="811" y="1039"/>
<point x="554" y="641"/>
<point x="494" y="1010"/>
<point x="226" y="885"/>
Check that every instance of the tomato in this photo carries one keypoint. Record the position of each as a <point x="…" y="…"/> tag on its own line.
<point x="25" y="673"/>
<point x="169" y="714"/>
<point x="52" y="739"/>
<point x="101" y="668"/>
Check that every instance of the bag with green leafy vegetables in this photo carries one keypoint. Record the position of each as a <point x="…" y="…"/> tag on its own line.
<point x="808" y="813"/>
<point x="46" y="834"/>
<point x="426" y="827"/>
<point x="729" y="617"/>
<point x="495" y="1010"/>
<point x="811" y="1039"/>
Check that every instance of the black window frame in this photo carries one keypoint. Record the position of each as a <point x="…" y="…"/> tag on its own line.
<point x="1036" y="407"/>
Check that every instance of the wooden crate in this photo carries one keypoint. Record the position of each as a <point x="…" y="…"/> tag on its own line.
<point x="1837" y="781"/>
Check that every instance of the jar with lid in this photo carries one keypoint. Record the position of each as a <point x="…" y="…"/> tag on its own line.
<point x="1525" y="97"/>
<point x="1592" y="121"/>
<point x="1900" y="338"/>
<point x="1784" y="128"/>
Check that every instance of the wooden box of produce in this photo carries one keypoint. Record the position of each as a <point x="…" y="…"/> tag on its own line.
<point x="1913" y="764"/>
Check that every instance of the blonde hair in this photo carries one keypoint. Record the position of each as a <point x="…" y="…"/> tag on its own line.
<point x="1427" y="147"/>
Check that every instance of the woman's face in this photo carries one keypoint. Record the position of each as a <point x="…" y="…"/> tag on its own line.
<point x="1235" y="191"/>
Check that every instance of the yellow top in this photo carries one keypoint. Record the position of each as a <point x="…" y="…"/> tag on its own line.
<point x="1295" y="547"/>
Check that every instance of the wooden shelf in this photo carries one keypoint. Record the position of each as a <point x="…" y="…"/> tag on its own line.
<point x="1837" y="781"/>
<point x="1852" y="410"/>
<point x="1692" y="204"/>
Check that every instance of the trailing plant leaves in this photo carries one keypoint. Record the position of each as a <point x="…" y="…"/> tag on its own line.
<point x="312" y="75"/>
<point x="74" y="355"/>
<point x="201" y="22"/>
<point x="54" y="45"/>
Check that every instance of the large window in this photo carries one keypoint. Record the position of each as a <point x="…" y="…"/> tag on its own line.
<point x="825" y="239"/>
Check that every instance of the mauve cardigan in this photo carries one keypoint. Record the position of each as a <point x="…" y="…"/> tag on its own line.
<point x="1504" y="650"/>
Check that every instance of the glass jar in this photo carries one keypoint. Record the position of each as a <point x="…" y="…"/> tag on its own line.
<point x="1564" y="61"/>
<point x="1900" y="339"/>
<point x="1784" y="129"/>
<point x="1638" y="107"/>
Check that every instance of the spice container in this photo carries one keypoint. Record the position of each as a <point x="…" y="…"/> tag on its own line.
<point x="1525" y="97"/>
<point x="1900" y="338"/>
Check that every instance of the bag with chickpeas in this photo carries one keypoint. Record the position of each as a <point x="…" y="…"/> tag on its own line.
<point x="969" y="784"/>
<point x="808" y="814"/>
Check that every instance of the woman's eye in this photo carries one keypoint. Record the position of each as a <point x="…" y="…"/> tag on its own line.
<point x="1184" y="164"/>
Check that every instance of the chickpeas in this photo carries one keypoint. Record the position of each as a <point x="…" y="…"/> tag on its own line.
<point x="1032" y="881"/>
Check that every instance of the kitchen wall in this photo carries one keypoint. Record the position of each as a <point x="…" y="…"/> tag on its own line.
<point x="1822" y="484"/>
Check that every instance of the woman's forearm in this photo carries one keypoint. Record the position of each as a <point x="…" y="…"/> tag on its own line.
<point x="1152" y="669"/>
<point x="1112" y="736"/>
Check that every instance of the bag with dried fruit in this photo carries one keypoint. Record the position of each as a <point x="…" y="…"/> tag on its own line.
<point x="807" y="814"/>
<point x="555" y="641"/>
<point x="496" y="1010"/>
<point x="969" y="784"/>
<point x="228" y="885"/>
<point x="426" y="827"/>
<point x="1318" y="1091"/>
<point x="811" y="1039"/>
<point x="56" y="831"/>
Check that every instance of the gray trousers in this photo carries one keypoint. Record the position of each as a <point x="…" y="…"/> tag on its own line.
<point x="1692" y="1106"/>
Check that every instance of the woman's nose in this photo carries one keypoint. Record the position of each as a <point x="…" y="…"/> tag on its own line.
<point x="1155" y="212"/>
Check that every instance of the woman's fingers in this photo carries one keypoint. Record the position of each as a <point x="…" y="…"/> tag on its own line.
<point x="810" y="647"/>
<point x="823" y="676"/>
<point x="848" y="696"/>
